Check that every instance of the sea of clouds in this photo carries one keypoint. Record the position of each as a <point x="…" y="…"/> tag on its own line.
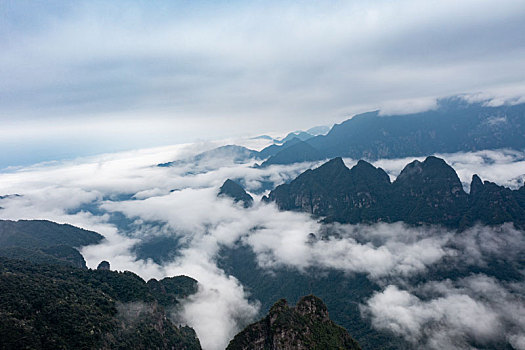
<point x="181" y="202"/>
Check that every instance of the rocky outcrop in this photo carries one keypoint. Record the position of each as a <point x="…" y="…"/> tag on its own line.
<point x="306" y="326"/>
<point x="427" y="192"/>
<point x="235" y="191"/>
<point x="493" y="204"/>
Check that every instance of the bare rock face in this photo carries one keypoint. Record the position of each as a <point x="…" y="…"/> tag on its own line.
<point x="306" y="326"/>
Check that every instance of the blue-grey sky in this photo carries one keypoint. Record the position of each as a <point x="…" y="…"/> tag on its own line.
<point x="80" y="78"/>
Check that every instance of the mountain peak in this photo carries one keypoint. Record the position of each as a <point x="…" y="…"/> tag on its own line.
<point x="312" y="306"/>
<point x="336" y="162"/>
<point x="364" y="171"/>
<point x="235" y="191"/>
<point x="476" y="185"/>
<point x="435" y="161"/>
<point x="305" y="326"/>
<point x="364" y="163"/>
<point x="104" y="265"/>
<point x="431" y="168"/>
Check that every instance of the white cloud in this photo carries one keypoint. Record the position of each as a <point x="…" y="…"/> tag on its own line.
<point x="407" y="106"/>
<point x="390" y="254"/>
<point x="473" y="310"/>
<point x="504" y="167"/>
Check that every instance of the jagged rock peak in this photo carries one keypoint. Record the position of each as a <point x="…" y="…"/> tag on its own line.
<point x="363" y="164"/>
<point x="279" y="306"/>
<point x="334" y="167"/>
<point x="410" y="170"/>
<point x="434" y="160"/>
<point x="476" y="185"/>
<point x="235" y="191"/>
<point x="431" y="167"/>
<point x="311" y="305"/>
<point x="436" y="164"/>
<point x="303" y="327"/>
<point x="336" y="162"/>
<point x="367" y="171"/>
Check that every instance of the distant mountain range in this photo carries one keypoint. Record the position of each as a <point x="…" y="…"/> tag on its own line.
<point x="427" y="192"/>
<point x="50" y="299"/>
<point x="238" y="154"/>
<point x="299" y="134"/>
<point x="454" y="126"/>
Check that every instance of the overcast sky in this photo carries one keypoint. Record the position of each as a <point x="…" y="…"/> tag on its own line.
<point x="80" y="78"/>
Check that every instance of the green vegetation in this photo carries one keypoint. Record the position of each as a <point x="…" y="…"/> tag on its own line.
<point x="42" y="233"/>
<point x="342" y="293"/>
<point x="306" y="326"/>
<point x="168" y="291"/>
<point x="61" y="307"/>
<point x="44" y="242"/>
<point x="56" y="255"/>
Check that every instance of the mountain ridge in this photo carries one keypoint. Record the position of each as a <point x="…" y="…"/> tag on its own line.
<point x="455" y="125"/>
<point x="427" y="192"/>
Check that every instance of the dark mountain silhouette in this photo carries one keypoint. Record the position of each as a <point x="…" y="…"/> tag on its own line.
<point x="235" y="191"/>
<point x="43" y="233"/>
<point x="453" y="126"/>
<point x="300" y="151"/>
<point x="490" y="203"/>
<point x="274" y="149"/>
<point x="42" y="241"/>
<point x="301" y="135"/>
<point x="427" y="192"/>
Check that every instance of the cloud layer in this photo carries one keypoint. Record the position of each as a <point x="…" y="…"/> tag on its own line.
<point x="475" y="310"/>
<point x="128" y="199"/>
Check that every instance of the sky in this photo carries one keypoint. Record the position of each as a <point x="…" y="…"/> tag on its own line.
<point x="88" y="77"/>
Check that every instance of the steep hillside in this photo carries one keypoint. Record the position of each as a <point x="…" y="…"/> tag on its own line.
<point x="42" y="241"/>
<point x="60" y="307"/>
<point x="306" y="326"/>
<point x="427" y="192"/>
<point x="453" y="126"/>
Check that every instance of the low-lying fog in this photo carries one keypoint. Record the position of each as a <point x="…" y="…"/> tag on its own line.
<point x="182" y="201"/>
